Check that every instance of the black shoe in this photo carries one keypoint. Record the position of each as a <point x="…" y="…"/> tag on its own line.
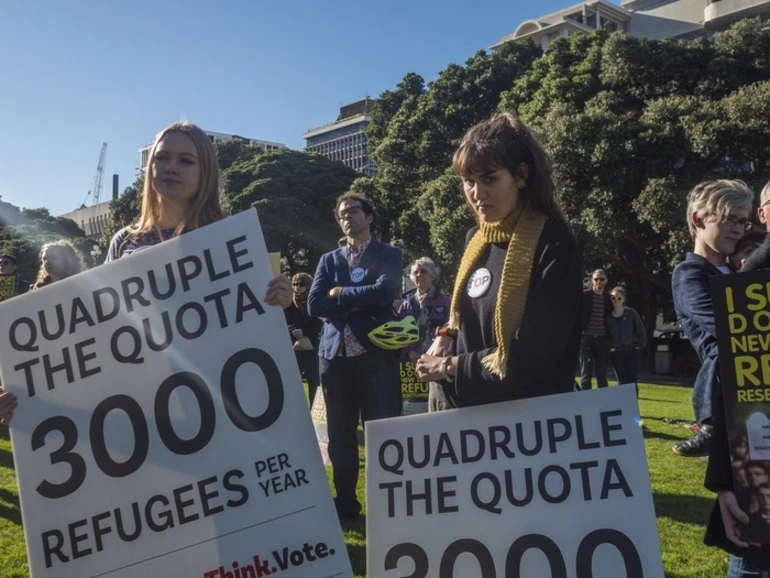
<point x="697" y="446"/>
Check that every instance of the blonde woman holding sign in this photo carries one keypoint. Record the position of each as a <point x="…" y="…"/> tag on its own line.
<point x="514" y="327"/>
<point x="181" y="193"/>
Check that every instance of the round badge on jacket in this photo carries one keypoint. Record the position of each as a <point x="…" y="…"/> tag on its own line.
<point x="357" y="275"/>
<point x="479" y="283"/>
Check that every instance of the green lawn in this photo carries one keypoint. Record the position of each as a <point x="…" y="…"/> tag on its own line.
<point x="681" y="502"/>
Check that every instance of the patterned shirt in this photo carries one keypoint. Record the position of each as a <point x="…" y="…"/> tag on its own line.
<point x="128" y="240"/>
<point x="352" y="347"/>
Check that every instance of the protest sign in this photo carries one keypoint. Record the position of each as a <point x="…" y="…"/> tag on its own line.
<point x="275" y="263"/>
<point x="318" y="415"/>
<point x="414" y="392"/>
<point x="162" y="428"/>
<point x="742" y="319"/>
<point x="7" y="286"/>
<point x="552" y="486"/>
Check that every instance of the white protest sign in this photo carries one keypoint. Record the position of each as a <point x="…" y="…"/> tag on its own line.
<point x="162" y="429"/>
<point x="550" y="487"/>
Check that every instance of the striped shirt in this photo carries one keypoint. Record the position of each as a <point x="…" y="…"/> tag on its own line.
<point x="596" y="327"/>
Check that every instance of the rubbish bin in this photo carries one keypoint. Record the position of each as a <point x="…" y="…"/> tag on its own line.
<point x="662" y="358"/>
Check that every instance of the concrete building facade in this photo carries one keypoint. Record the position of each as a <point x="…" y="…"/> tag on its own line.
<point x="584" y="17"/>
<point x="344" y="140"/>
<point x="654" y="19"/>
<point x="93" y="220"/>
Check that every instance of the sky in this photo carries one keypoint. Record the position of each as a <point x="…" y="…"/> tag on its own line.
<point x="79" y="73"/>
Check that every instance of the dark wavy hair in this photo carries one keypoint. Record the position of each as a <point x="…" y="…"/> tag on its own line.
<point x="504" y="141"/>
<point x="366" y="205"/>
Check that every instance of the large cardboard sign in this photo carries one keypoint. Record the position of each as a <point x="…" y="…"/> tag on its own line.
<point x="162" y="429"/>
<point x="318" y="415"/>
<point x="554" y="486"/>
<point x="742" y="318"/>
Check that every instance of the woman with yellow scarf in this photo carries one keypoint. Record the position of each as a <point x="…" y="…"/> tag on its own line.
<point x="514" y="326"/>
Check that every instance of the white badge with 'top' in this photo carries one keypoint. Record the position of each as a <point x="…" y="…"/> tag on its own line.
<point x="479" y="283"/>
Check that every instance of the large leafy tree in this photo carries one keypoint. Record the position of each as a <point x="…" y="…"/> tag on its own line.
<point x="633" y="125"/>
<point x="24" y="231"/>
<point x="294" y="193"/>
<point x="414" y="141"/>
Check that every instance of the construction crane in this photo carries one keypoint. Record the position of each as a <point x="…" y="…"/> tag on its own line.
<point x="96" y="192"/>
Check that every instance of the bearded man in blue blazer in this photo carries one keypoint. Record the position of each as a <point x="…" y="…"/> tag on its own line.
<point x="353" y="292"/>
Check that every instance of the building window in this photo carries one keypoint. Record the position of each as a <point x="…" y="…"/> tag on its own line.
<point x="577" y="17"/>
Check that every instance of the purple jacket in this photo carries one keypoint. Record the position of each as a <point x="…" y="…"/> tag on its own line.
<point x="437" y="306"/>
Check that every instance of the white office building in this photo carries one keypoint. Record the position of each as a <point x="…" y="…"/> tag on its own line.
<point x="344" y="140"/>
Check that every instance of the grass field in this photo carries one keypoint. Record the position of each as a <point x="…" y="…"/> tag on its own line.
<point x="682" y="504"/>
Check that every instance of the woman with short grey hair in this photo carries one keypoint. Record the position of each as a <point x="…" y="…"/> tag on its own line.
<point x="429" y="306"/>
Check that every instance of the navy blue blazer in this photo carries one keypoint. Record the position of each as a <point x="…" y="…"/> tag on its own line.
<point x="695" y="312"/>
<point x="362" y="305"/>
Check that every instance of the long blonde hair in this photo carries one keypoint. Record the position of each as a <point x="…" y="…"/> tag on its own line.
<point x="205" y="206"/>
<point x="73" y="261"/>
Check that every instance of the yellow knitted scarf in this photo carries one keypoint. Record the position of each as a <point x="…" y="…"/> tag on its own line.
<point x="522" y="230"/>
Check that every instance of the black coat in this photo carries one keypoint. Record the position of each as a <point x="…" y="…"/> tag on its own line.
<point x="543" y="355"/>
<point x="298" y="318"/>
<point x="759" y="259"/>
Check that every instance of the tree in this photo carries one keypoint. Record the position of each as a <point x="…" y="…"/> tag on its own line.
<point x="632" y="125"/>
<point x="234" y="150"/>
<point x="24" y="231"/>
<point x="294" y="193"/>
<point x="413" y="143"/>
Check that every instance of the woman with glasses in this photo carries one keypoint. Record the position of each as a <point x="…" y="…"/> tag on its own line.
<point x="627" y="337"/>
<point x="430" y="307"/>
<point x="305" y="331"/>
<point x="514" y="322"/>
